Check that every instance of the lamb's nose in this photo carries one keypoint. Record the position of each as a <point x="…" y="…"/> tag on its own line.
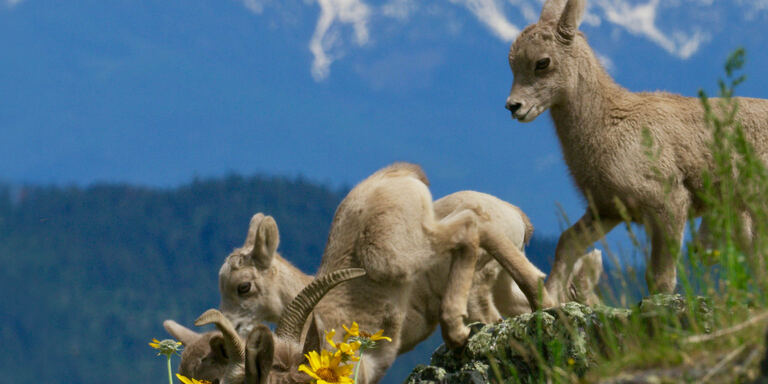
<point x="513" y="107"/>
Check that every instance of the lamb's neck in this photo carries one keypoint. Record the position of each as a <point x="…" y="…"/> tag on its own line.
<point x="588" y="103"/>
<point x="290" y="280"/>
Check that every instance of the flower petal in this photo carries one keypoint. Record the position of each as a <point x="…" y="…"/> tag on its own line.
<point x="314" y="360"/>
<point x="378" y="336"/>
<point x="329" y="337"/>
<point x="308" y="371"/>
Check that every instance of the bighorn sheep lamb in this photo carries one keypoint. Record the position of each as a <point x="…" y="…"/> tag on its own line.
<point x="600" y="127"/>
<point x="204" y="356"/>
<point x="490" y="288"/>
<point x="386" y="225"/>
<point x="255" y="282"/>
<point x="273" y="358"/>
<point x="493" y="294"/>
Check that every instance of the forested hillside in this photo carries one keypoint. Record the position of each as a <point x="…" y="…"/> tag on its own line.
<point x="89" y="274"/>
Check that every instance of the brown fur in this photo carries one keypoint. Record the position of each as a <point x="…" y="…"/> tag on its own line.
<point x="203" y="356"/>
<point x="600" y="127"/>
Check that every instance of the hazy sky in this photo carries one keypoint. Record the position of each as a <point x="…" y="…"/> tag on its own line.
<point x="159" y="92"/>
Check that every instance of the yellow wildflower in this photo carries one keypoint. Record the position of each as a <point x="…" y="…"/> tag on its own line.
<point x="348" y="350"/>
<point x="326" y="368"/>
<point x="380" y="336"/>
<point x="166" y="347"/>
<point x="354" y="331"/>
<point x="187" y="380"/>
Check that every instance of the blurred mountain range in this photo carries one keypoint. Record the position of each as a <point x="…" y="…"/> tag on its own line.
<point x="89" y="274"/>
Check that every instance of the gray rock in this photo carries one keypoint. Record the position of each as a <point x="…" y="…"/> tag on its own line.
<point x="561" y="341"/>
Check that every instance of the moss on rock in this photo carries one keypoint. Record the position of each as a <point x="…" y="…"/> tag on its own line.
<point x="565" y="341"/>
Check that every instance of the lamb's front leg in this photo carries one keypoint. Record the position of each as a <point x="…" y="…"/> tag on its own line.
<point x="573" y="243"/>
<point x="454" y="306"/>
<point x="457" y="234"/>
<point x="666" y="240"/>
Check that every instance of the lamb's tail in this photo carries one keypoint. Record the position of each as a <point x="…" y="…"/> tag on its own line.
<point x="528" y="225"/>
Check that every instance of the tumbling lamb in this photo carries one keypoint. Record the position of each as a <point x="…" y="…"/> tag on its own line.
<point x="387" y="226"/>
<point x="600" y="127"/>
<point x="494" y="293"/>
<point x="491" y="287"/>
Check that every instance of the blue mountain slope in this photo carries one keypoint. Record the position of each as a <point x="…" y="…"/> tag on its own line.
<point x="91" y="273"/>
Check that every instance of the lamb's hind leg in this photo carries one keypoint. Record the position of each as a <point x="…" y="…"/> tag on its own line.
<point x="573" y="244"/>
<point x="525" y="274"/>
<point x="457" y="234"/>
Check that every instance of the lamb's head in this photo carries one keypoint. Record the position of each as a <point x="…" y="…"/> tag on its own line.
<point x="204" y="356"/>
<point x="247" y="279"/>
<point x="274" y="358"/>
<point x="544" y="58"/>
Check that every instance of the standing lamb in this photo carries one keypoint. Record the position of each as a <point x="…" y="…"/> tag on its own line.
<point x="600" y="127"/>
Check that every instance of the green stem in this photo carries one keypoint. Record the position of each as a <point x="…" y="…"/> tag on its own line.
<point x="357" y="367"/>
<point x="170" y="377"/>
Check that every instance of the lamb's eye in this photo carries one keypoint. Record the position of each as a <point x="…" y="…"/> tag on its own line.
<point x="542" y="64"/>
<point x="243" y="288"/>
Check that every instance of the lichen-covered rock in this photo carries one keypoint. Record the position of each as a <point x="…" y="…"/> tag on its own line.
<point x="674" y="308"/>
<point x="528" y="347"/>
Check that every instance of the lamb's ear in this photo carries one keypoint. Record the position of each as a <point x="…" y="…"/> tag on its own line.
<point x="267" y="240"/>
<point x="253" y="227"/>
<point x="259" y="353"/>
<point x="181" y="333"/>
<point x="570" y="20"/>
<point x="265" y="243"/>
<point x="551" y="11"/>
<point x="314" y="339"/>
